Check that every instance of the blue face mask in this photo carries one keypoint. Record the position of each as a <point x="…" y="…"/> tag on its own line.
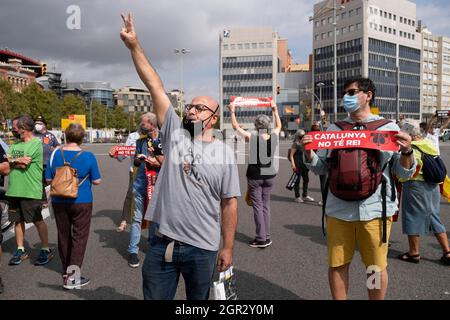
<point x="351" y="103"/>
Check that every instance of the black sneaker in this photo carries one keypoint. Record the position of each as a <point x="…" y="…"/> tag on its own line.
<point x="2" y="288"/>
<point x="268" y="242"/>
<point x="18" y="257"/>
<point x="70" y="283"/>
<point x="258" y="244"/>
<point x="133" y="260"/>
<point x="44" y="257"/>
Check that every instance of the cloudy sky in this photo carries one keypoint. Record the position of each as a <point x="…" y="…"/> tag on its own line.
<point x="95" y="52"/>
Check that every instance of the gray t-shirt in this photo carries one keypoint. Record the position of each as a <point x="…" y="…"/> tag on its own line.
<point x="195" y="176"/>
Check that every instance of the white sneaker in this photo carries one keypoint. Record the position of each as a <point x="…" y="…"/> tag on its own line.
<point x="308" y="198"/>
<point x="320" y="203"/>
<point x="299" y="200"/>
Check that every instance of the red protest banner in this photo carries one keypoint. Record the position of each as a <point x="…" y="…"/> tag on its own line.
<point x="251" y="102"/>
<point x="124" y="151"/>
<point x="381" y="140"/>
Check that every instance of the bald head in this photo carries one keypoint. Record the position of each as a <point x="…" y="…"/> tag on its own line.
<point x="207" y="101"/>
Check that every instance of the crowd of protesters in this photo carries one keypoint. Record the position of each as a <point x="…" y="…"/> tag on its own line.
<point x="192" y="234"/>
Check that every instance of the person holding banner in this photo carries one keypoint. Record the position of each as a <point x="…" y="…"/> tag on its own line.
<point x="195" y="195"/>
<point x="261" y="170"/>
<point x="148" y="159"/>
<point x="126" y="209"/>
<point x="421" y="201"/>
<point x="296" y="158"/>
<point x="365" y="220"/>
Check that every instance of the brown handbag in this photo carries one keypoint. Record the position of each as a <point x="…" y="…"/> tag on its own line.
<point x="65" y="182"/>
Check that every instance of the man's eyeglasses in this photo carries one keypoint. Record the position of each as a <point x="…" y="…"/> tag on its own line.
<point x="198" y="108"/>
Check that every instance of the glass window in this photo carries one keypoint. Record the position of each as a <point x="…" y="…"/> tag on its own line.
<point x="240" y="46"/>
<point x="338" y="32"/>
<point x="261" y="44"/>
<point x="323" y="35"/>
<point x="351" y="28"/>
<point x="390" y="30"/>
<point x="323" y="22"/>
<point x="232" y="46"/>
<point x="358" y="11"/>
<point x="395" y="17"/>
<point x="350" y="13"/>
<point x="401" y="19"/>
<point x="330" y="20"/>
<point x="390" y="16"/>
<point x="344" y="30"/>
<point x="394" y="31"/>
<point x="317" y="23"/>
<point x="254" y="46"/>
<point x="247" y="46"/>
<point x="381" y="13"/>
<point x="413" y="37"/>
<point x="375" y="10"/>
<point x="225" y="47"/>
<point x="385" y="29"/>
<point x="344" y="15"/>
<point x="385" y="14"/>
<point x="268" y="44"/>
<point x="330" y="34"/>
<point x="371" y="10"/>
<point x="358" y="26"/>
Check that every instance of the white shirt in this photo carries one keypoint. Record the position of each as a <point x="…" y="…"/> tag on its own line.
<point x="435" y="138"/>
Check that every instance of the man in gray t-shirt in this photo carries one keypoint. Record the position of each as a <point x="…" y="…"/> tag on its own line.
<point x="195" y="194"/>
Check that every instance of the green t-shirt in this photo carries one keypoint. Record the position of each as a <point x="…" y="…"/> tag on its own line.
<point x="26" y="183"/>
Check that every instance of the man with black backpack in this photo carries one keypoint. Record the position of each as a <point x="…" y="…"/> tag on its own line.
<point x="359" y="199"/>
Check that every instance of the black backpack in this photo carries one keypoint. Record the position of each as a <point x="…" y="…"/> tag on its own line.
<point x="433" y="168"/>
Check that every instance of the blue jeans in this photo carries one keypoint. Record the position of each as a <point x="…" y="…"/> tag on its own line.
<point x="138" y="211"/>
<point x="160" y="279"/>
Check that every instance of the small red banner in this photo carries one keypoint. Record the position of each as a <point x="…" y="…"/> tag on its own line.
<point x="381" y="140"/>
<point x="124" y="151"/>
<point x="251" y="102"/>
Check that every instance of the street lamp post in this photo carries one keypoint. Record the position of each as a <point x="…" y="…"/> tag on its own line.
<point x="320" y="85"/>
<point x="181" y="52"/>
<point x="335" y="60"/>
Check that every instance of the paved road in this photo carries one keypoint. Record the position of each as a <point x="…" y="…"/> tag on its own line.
<point x="294" y="267"/>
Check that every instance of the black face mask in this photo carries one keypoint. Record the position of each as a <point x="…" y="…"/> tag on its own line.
<point x="193" y="127"/>
<point x="16" y="134"/>
<point x="144" y="130"/>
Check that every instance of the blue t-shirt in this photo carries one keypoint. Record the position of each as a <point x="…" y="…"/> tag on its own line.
<point x="86" y="164"/>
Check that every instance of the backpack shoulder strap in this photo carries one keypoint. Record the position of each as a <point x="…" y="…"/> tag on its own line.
<point x="345" y="126"/>
<point x="374" y="125"/>
<point x="76" y="156"/>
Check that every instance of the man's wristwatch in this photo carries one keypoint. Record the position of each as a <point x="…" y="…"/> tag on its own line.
<point x="410" y="152"/>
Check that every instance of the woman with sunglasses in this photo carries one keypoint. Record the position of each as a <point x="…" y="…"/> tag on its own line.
<point x="261" y="171"/>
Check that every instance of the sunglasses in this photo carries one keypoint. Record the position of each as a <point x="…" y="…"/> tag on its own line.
<point x="198" y="108"/>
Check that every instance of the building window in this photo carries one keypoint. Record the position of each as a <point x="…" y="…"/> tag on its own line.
<point x="401" y="19"/>
<point x="413" y="37"/>
<point x="330" y="34"/>
<point x="381" y="13"/>
<point x="371" y="10"/>
<point x="225" y="47"/>
<point x="351" y="28"/>
<point x="323" y="22"/>
<point x="261" y="44"/>
<point x="344" y="30"/>
<point x="394" y="31"/>
<point x="323" y="35"/>
<point x="358" y="11"/>
<point x="385" y="29"/>
<point x="240" y="46"/>
<point x="254" y="46"/>
<point x="343" y="15"/>
<point x="350" y="13"/>
<point x="358" y="26"/>
<point x="232" y="46"/>
<point x="247" y="46"/>
<point x="390" y="30"/>
<point x="395" y="17"/>
<point x="268" y="45"/>
<point x="338" y="32"/>
<point x="330" y="20"/>
<point x="317" y="23"/>
<point x="385" y="14"/>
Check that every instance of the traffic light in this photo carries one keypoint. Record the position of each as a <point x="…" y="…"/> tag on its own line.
<point x="43" y="69"/>
<point x="278" y="89"/>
